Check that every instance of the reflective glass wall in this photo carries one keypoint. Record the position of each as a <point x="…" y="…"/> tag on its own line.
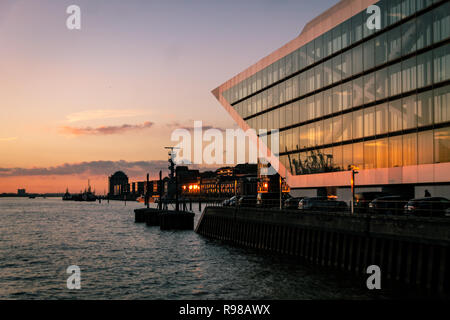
<point x="372" y="98"/>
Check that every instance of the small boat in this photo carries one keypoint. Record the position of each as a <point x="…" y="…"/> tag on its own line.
<point x="32" y="197"/>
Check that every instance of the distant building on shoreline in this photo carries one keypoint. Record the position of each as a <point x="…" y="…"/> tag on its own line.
<point x="21" y="192"/>
<point x="118" y="184"/>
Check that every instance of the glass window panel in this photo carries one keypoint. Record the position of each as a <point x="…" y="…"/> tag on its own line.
<point x="276" y="119"/>
<point x="357" y="92"/>
<point x="311" y="134"/>
<point x="369" y="122"/>
<point x="369" y="88"/>
<point x="319" y="133"/>
<point x="295" y="66"/>
<point x="358" y="154"/>
<point x="337" y="158"/>
<point x="357" y="27"/>
<point x="347" y="126"/>
<point x="327" y="73"/>
<point x="289" y="140"/>
<point x="296" y="112"/>
<point x="357" y="56"/>
<point x="424" y="32"/>
<point x="395" y="115"/>
<point x="327" y="44"/>
<point x="302" y="57"/>
<point x="370" y="154"/>
<point x="394" y="43"/>
<point x="369" y="54"/>
<point x="303" y="84"/>
<point x="425" y="109"/>
<point x="382" y="150"/>
<point x="441" y="63"/>
<point x="327" y="102"/>
<point x="336" y="65"/>
<point x="337" y="129"/>
<point x="296" y="138"/>
<point x="425" y="147"/>
<point x="282" y="68"/>
<point x="303" y="137"/>
<point x="346" y="29"/>
<point x="318" y="51"/>
<point x="409" y="74"/>
<point x="295" y="87"/>
<point x="408" y="7"/>
<point x="381" y="119"/>
<point x="347" y="91"/>
<point x="381" y="84"/>
<point x="269" y="75"/>
<point x="442" y="145"/>
<point x="410" y="149"/>
<point x="347" y="156"/>
<point x="288" y="117"/>
<point x="310" y="109"/>
<point x="318" y="70"/>
<point x="424" y="69"/>
<point x="442" y="104"/>
<point x="282" y="117"/>
<point x="358" y="124"/>
<point x="310" y="83"/>
<point x="346" y="64"/>
<point x="395" y="152"/>
<point x="318" y="102"/>
<point x="381" y="49"/>
<point x="409" y="112"/>
<point x="310" y="53"/>
<point x="328" y="131"/>
<point x="303" y="110"/>
<point x="409" y="40"/>
<point x="395" y="79"/>
<point x="282" y="142"/>
<point x="441" y="26"/>
<point x="288" y="64"/>
<point x="275" y="71"/>
<point x="395" y="11"/>
<point x="337" y="99"/>
<point x="337" y="38"/>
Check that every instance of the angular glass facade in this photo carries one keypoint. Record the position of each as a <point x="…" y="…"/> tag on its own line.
<point x="371" y="98"/>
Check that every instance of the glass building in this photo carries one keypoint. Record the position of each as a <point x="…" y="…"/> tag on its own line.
<point x="342" y="94"/>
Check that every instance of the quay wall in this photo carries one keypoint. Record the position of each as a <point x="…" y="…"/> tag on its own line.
<point x="413" y="251"/>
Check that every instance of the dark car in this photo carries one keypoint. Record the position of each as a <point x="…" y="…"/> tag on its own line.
<point x="270" y="199"/>
<point x="388" y="205"/>
<point x="230" y="202"/>
<point x="247" y="201"/>
<point x="322" y="204"/>
<point x="292" y="203"/>
<point x="362" y="200"/>
<point x="429" y="207"/>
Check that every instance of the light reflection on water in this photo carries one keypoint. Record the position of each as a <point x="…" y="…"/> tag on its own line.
<point x="119" y="259"/>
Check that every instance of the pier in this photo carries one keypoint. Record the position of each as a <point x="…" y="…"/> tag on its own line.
<point x="411" y="251"/>
<point x="165" y="219"/>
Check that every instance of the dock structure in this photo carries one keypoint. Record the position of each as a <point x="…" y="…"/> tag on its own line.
<point x="413" y="251"/>
<point x="165" y="219"/>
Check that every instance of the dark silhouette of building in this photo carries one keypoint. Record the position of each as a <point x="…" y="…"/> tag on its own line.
<point x="118" y="184"/>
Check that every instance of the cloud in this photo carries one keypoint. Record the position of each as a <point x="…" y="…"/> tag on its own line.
<point x="103" y="114"/>
<point x="93" y="168"/>
<point x="8" y="139"/>
<point x="177" y="125"/>
<point x="105" y="130"/>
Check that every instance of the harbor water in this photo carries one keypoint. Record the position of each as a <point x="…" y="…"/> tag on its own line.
<point x="119" y="259"/>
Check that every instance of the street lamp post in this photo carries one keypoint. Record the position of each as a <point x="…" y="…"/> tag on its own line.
<point x="354" y="172"/>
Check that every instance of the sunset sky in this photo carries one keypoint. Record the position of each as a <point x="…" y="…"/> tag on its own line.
<point x="80" y="104"/>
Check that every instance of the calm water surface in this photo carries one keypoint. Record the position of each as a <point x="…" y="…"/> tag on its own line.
<point x="119" y="259"/>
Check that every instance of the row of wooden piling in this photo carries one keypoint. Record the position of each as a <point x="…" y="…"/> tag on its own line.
<point x="412" y="261"/>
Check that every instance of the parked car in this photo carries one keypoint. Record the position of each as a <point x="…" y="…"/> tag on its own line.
<point x="388" y="205"/>
<point x="292" y="203"/>
<point x="247" y="201"/>
<point x="321" y="204"/>
<point x="362" y="200"/>
<point x="230" y="202"/>
<point x="270" y="199"/>
<point x="429" y="206"/>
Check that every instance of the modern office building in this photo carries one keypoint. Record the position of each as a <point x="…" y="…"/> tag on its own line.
<point x="344" y="94"/>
